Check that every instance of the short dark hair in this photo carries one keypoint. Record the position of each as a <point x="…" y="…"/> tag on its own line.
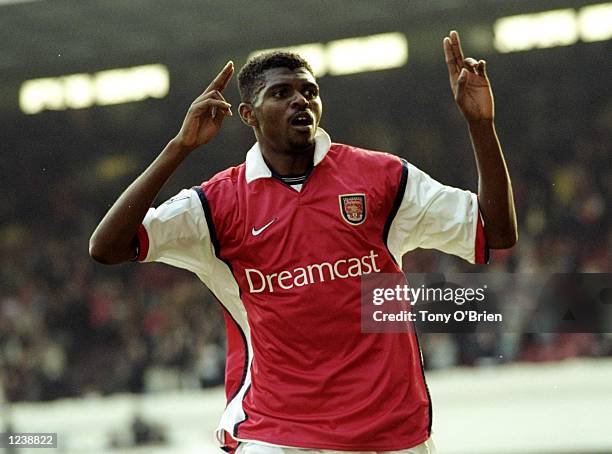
<point x="251" y="74"/>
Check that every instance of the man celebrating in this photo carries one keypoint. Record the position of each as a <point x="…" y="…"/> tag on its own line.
<point x="282" y="240"/>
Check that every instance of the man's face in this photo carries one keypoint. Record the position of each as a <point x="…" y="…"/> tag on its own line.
<point x="287" y="109"/>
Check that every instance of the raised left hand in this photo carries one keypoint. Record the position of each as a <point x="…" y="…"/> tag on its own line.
<point x="469" y="81"/>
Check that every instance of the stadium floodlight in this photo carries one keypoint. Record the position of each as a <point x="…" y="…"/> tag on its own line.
<point x="368" y="53"/>
<point x="314" y="53"/>
<point x="78" y="91"/>
<point x="117" y="86"/>
<point x="595" y="22"/>
<point x="539" y="30"/>
<point x="352" y="55"/>
<point x="41" y="94"/>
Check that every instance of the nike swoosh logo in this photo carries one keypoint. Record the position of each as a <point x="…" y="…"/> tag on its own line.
<point x="256" y="232"/>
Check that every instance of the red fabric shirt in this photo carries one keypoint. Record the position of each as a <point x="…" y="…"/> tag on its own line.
<point x="286" y="266"/>
<point x="316" y="380"/>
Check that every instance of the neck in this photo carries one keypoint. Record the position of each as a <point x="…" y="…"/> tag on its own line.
<point x="288" y="163"/>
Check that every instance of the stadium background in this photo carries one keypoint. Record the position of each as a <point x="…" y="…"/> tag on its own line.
<point x="78" y="339"/>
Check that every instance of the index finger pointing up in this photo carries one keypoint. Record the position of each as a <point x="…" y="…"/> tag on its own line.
<point x="451" y="62"/>
<point x="456" y="48"/>
<point x="222" y="79"/>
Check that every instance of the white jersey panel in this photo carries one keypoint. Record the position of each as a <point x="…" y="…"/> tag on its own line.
<point x="221" y="282"/>
<point x="434" y="216"/>
<point x="178" y="234"/>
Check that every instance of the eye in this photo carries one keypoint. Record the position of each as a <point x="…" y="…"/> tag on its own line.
<point x="311" y="92"/>
<point x="279" y="93"/>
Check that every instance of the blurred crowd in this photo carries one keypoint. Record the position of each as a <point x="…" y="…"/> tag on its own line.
<point x="70" y="327"/>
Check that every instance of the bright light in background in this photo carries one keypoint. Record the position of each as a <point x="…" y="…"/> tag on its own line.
<point x="595" y="22"/>
<point x="553" y="28"/>
<point x="78" y="91"/>
<point x="314" y="53"/>
<point x="40" y="94"/>
<point x="370" y="53"/>
<point x="353" y="55"/>
<point x="540" y="30"/>
<point x="132" y="84"/>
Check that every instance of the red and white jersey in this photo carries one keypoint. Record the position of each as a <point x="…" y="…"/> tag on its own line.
<point x="286" y="266"/>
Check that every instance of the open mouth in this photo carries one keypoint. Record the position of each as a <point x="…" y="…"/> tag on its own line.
<point x="302" y="120"/>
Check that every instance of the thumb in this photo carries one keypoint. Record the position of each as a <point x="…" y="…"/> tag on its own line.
<point x="461" y="83"/>
<point x="482" y="69"/>
<point x="462" y="79"/>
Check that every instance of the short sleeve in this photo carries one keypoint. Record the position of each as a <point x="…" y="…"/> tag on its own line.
<point x="434" y="216"/>
<point x="176" y="233"/>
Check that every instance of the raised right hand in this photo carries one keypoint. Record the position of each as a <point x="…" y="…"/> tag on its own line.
<point x="206" y="113"/>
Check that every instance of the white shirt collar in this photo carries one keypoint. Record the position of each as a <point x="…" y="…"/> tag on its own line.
<point x="256" y="167"/>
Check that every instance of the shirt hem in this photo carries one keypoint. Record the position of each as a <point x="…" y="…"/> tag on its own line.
<point x="333" y="446"/>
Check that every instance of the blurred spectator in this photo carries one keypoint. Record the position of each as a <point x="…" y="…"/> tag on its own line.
<point x="70" y="327"/>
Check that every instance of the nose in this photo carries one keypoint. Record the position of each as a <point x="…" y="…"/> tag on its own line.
<point x="299" y="101"/>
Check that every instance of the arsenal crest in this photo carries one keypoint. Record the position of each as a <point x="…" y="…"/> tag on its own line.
<point x="353" y="208"/>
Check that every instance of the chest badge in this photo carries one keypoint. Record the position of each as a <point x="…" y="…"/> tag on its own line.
<point x="353" y="208"/>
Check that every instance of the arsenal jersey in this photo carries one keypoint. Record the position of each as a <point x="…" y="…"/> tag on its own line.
<point x="286" y="264"/>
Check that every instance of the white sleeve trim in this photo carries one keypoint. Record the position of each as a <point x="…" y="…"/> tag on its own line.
<point x="434" y="216"/>
<point x="178" y="233"/>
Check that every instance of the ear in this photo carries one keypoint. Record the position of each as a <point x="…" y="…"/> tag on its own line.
<point x="247" y="115"/>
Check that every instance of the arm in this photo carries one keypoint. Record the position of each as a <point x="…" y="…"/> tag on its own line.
<point x="472" y="92"/>
<point x="114" y="240"/>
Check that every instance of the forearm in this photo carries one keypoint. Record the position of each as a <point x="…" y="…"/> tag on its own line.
<point x="113" y="240"/>
<point x="494" y="186"/>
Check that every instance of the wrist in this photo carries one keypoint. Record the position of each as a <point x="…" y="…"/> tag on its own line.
<point x="178" y="149"/>
<point x="482" y="126"/>
<point x="480" y="122"/>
